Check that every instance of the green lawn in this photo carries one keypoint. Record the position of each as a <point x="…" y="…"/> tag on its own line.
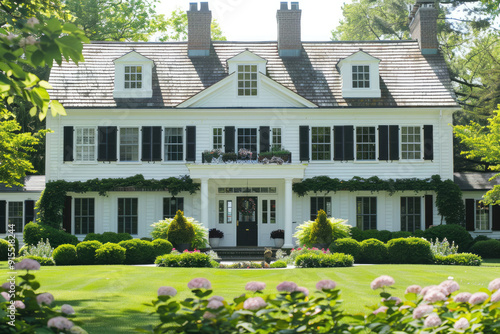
<point x="109" y="298"/>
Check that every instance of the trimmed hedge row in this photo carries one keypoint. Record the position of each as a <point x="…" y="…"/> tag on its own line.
<point x="195" y="259"/>
<point x="324" y="260"/>
<point x="44" y="261"/>
<point x="34" y="232"/>
<point x="461" y="259"/>
<point x="108" y="237"/>
<point x="486" y="249"/>
<point x="382" y="235"/>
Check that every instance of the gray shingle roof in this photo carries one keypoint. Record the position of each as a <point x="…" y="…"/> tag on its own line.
<point x="32" y="183"/>
<point x="407" y="78"/>
<point x="475" y="181"/>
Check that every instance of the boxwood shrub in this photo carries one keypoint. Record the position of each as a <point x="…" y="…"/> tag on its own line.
<point x="110" y="253"/>
<point x="34" y="232"/>
<point x="44" y="261"/>
<point x="373" y="251"/>
<point x="357" y="234"/>
<point x="65" y="255"/>
<point x="4" y="250"/>
<point x="451" y="232"/>
<point x="108" y="237"/>
<point x="16" y="243"/>
<point x="161" y="247"/>
<point x="346" y="246"/>
<point x="324" y="260"/>
<point x="195" y="259"/>
<point x="85" y="251"/>
<point x="460" y="259"/>
<point x="370" y="234"/>
<point x="487" y="249"/>
<point x="409" y="251"/>
<point x="138" y="251"/>
<point x="278" y="264"/>
<point x="401" y="234"/>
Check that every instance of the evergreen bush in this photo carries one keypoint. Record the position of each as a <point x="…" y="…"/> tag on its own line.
<point x="34" y="232"/>
<point x="452" y="232"/>
<point x="161" y="247"/>
<point x="86" y="250"/>
<point x="324" y="260"/>
<point x="65" y="255"/>
<point x="385" y="235"/>
<point x="180" y="231"/>
<point x="110" y="253"/>
<point x="401" y="234"/>
<point x="462" y="259"/>
<point x="373" y="251"/>
<point x="487" y="249"/>
<point x="346" y="246"/>
<point x="44" y="261"/>
<point x="371" y="234"/>
<point x="106" y="237"/>
<point x="16" y="243"/>
<point x="187" y="259"/>
<point x="278" y="264"/>
<point x="409" y="251"/>
<point x="321" y="231"/>
<point x="138" y="251"/>
<point x="357" y="234"/>
<point x="4" y="250"/>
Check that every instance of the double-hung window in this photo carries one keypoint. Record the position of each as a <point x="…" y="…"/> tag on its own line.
<point x="482" y="214"/>
<point x="321" y="143"/>
<point x="276" y="139"/>
<point x="411" y="143"/>
<point x="133" y="77"/>
<point x="247" y="138"/>
<point x="365" y="143"/>
<point x="85" y="145"/>
<point x="321" y="203"/>
<point x="225" y="211"/>
<point x="366" y="213"/>
<point x="268" y="211"/>
<point x="84" y="215"/>
<point x="129" y="144"/>
<point x="360" y="76"/>
<point x="174" y="148"/>
<point x="247" y="80"/>
<point x="127" y="215"/>
<point x="16" y="216"/>
<point x="218" y="138"/>
<point x="411" y="214"/>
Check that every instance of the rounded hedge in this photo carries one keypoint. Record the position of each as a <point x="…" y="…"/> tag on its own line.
<point x="110" y="253"/>
<point x="385" y="235"/>
<point x="487" y="249"/>
<point x="162" y="247"/>
<point x="409" y="251"/>
<point x="65" y="255"/>
<point x="86" y="250"/>
<point x="401" y="234"/>
<point x="4" y="250"/>
<point x="34" y="232"/>
<point x="373" y="251"/>
<point x="106" y="237"/>
<point x="138" y="251"/>
<point x="371" y="234"/>
<point x="356" y="234"/>
<point x="278" y="264"/>
<point x="346" y="246"/>
<point x="456" y="233"/>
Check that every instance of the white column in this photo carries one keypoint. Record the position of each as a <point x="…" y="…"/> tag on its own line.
<point x="204" y="203"/>
<point x="288" y="214"/>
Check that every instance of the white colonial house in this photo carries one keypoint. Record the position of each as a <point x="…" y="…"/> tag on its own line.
<point x="342" y="109"/>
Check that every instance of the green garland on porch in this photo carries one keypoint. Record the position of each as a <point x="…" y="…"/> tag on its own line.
<point x="51" y="203"/>
<point x="448" y="195"/>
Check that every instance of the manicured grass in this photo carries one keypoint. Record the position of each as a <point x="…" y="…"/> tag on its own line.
<point x="108" y="299"/>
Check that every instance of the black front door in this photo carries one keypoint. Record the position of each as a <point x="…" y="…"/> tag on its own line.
<point x="246" y="223"/>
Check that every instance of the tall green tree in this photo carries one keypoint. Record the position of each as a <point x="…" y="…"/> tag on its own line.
<point x="177" y="25"/>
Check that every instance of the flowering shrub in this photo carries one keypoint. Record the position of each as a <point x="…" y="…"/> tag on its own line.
<point x="462" y="259"/>
<point x="186" y="259"/>
<point x="42" y="249"/>
<point x="443" y="247"/>
<point x="324" y="260"/>
<point x="452" y="232"/>
<point x="44" y="261"/>
<point x="24" y="310"/>
<point x="295" y="252"/>
<point x="340" y="229"/>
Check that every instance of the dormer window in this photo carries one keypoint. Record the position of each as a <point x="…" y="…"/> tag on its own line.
<point x="133" y="76"/>
<point x="360" y="76"/>
<point x="247" y="80"/>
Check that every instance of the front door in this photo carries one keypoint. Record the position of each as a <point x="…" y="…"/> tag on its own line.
<point x="246" y="223"/>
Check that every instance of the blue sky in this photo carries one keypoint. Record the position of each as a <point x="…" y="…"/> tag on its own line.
<point x="255" y="20"/>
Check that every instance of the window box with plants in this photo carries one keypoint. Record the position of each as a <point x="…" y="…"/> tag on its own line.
<point x="279" y="238"/>
<point x="214" y="236"/>
<point x="210" y="155"/>
<point x="275" y="155"/>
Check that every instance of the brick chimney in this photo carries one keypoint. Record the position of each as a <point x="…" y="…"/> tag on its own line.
<point x="423" y="26"/>
<point x="289" y="42"/>
<point x="199" y="22"/>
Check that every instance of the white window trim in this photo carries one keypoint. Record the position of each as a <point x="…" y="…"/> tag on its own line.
<point x="223" y="137"/>
<point x="364" y="161"/>
<point x="258" y="80"/>
<point x="118" y="144"/>
<point x="360" y="58"/>
<point x="93" y="162"/>
<point x="184" y="144"/>
<point x="133" y="59"/>
<point x="73" y="216"/>
<point x="421" y="127"/>
<point x="236" y="143"/>
<point x="311" y="143"/>
<point x="282" y="136"/>
<point x="490" y="217"/>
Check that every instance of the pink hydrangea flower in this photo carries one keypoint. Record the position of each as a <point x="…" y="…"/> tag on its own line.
<point x="495" y="297"/>
<point x="326" y="284"/>
<point x="422" y="310"/>
<point x="45" y="298"/>
<point x="404" y="307"/>
<point x="396" y="299"/>
<point x="255" y="286"/>
<point x="60" y="323"/>
<point x="28" y="264"/>
<point x="208" y="315"/>
<point x="5" y="295"/>
<point x="450" y="286"/>
<point x="305" y="291"/>
<point x="214" y="304"/>
<point x="494" y="285"/>
<point x="381" y="282"/>
<point x="19" y="304"/>
<point x="427" y="288"/>
<point x="166" y="291"/>
<point x="6" y="285"/>
<point x="461" y="324"/>
<point x="219" y="298"/>
<point x="32" y="21"/>
<point x="413" y="289"/>
<point x="67" y="309"/>
<point x="432" y="321"/>
<point x="255" y="303"/>
<point x="478" y="298"/>
<point x="462" y="297"/>
<point x="381" y="309"/>
<point x="434" y="295"/>
<point x="287" y="286"/>
<point x="199" y="283"/>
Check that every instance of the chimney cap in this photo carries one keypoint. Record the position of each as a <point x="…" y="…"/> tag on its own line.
<point x="284" y="5"/>
<point x="203" y="6"/>
<point x="193" y="6"/>
<point x="295" y="6"/>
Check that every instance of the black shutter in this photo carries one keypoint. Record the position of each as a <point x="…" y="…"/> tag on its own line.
<point x="67" y="214"/>
<point x="394" y="142"/>
<point x="428" y="143"/>
<point x="229" y="139"/>
<point x="106" y="149"/>
<point x="3" y="216"/>
<point x="429" y="211"/>
<point x="495" y="218"/>
<point x="264" y="138"/>
<point x="348" y="142"/>
<point x="304" y="142"/>
<point x="470" y="208"/>
<point x="151" y="143"/>
<point x="68" y="144"/>
<point x="338" y="143"/>
<point x="29" y="211"/>
<point x="190" y="143"/>
<point x="383" y="142"/>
